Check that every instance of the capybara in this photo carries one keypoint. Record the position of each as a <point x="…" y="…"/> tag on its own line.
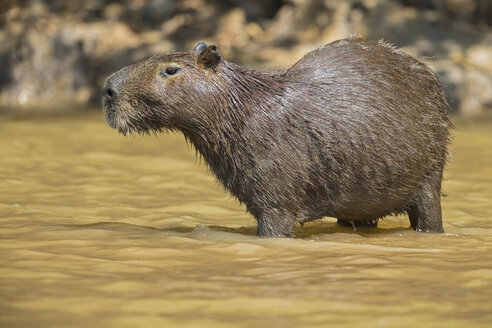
<point x="355" y="130"/>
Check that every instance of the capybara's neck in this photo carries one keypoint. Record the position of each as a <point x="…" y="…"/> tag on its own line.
<point x="238" y="94"/>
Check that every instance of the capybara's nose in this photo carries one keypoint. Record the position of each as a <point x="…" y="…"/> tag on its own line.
<point x="113" y="84"/>
<point x="109" y="93"/>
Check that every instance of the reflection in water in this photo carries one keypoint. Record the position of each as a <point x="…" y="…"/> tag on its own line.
<point x="111" y="231"/>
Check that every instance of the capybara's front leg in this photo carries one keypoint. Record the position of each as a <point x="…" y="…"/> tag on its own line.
<point x="275" y="223"/>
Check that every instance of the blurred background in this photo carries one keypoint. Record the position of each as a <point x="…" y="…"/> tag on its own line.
<point x="55" y="54"/>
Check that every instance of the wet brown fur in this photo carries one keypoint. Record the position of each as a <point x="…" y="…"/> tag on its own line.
<point x="355" y="130"/>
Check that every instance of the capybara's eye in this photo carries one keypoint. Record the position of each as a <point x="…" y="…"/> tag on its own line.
<point x="170" y="71"/>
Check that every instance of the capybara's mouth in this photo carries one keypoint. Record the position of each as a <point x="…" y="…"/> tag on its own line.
<point x="111" y="116"/>
<point x="114" y="121"/>
<point x="117" y="121"/>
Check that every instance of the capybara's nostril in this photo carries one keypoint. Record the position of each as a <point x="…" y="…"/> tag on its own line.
<point x="109" y="93"/>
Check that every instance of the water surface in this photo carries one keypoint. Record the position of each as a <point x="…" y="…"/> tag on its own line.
<point x="101" y="230"/>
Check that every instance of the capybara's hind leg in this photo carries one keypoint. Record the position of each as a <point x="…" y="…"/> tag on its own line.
<point x="425" y="210"/>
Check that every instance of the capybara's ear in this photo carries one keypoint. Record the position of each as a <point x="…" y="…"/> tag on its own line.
<point x="208" y="57"/>
<point x="200" y="46"/>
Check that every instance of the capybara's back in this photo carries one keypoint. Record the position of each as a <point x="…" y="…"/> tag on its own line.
<point x="355" y="130"/>
<point x="378" y="131"/>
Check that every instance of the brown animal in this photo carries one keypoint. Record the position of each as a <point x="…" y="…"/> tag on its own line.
<point x="355" y="130"/>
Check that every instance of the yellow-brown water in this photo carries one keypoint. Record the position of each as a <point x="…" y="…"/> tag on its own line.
<point x="101" y="230"/>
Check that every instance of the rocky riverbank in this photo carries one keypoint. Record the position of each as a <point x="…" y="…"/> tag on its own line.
<point x="59" y="52"/>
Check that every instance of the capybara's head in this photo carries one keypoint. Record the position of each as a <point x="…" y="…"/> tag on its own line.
<point x="163" y="92"/>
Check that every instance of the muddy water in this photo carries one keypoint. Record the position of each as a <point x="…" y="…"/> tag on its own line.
<point x="101" y="230"/>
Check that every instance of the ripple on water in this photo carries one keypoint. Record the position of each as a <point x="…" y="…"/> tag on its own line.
<point x="101" y="230"/>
